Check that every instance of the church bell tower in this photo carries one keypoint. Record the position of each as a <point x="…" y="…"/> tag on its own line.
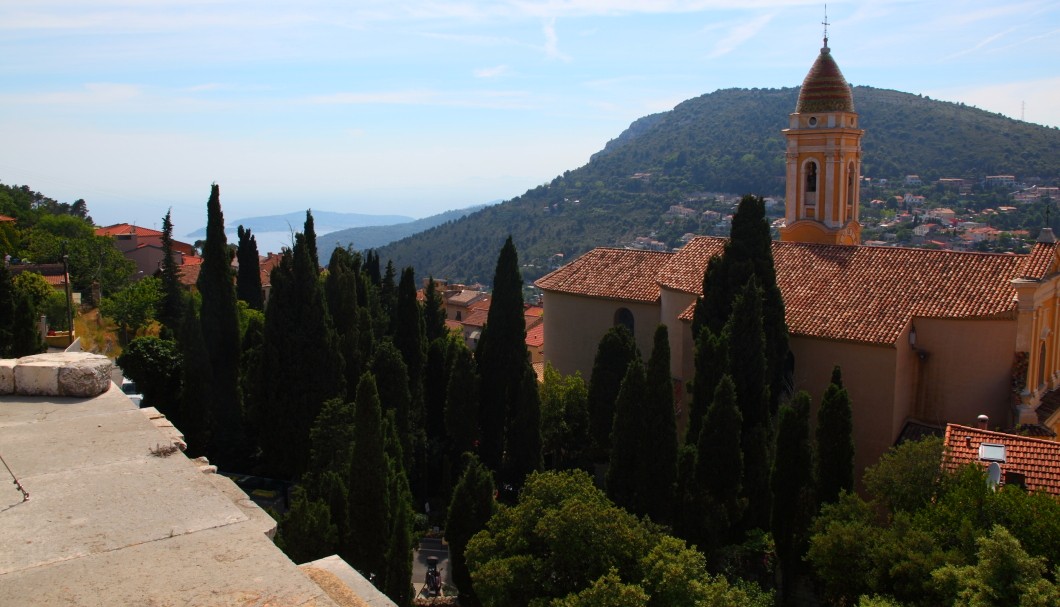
<point x="823" y="159"/>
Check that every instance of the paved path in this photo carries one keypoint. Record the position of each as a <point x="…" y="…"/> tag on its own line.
<point x="430" y="546"/>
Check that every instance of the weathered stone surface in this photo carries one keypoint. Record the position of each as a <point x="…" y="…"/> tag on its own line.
<point x="77" y="374"/>
<point x="7" y="376"/>
<point x="87" y="376"/>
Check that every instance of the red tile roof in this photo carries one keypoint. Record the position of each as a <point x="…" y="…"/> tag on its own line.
<point x="1037" y="459"/>
<point x="535" y="337"/>
<point x="610" y="273"/>
<point x="1038" y="263"/>
<point x="868" y="294"/>
<point x="122" y="229"/>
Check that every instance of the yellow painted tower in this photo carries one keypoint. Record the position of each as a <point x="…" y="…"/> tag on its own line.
<point x="823" y="159"/>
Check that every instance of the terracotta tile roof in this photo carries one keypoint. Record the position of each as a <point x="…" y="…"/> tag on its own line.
<point x="122" y="229"/>
<point x="1037" y="264"/>
<point x="535" y="337"/>
<point x="1038" y="460"/>
<point x="610" y="273"/>
<point x="476" y="318"/>
<point x="868" y="294"/>
<point x="7" y="218"/>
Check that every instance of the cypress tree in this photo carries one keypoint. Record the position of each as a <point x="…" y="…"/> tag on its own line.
<point x="793" y="507"/>
<point x="248" y="278"/>
<point x="371" y="267"/>
<point x="171" y="308"/>
<point x="387" y="300"/>
<point x="392" y="379"/>
<point x="462" y="404"/>
<point x="311" y="239"/>
<point x="369" y="507"/>
<point x="410" y="339"/>
<point x="433" y="312"/>
<point x="436" y="374"/>
<point x="747" y="363"/>
<point x="502" y="360"/>
<point x="250" y="361"/>
<point x="659" y="433"/>
<point x="835" y="442"/>
<point x="306" y="532"/>
<point x="397" y="580"/>
<point x="340" y="289"/>
<point x="623" y="475"/>
<point x="719" y="469"/>
<point x="220" y="330"/>
<point x="193" y="414"/>
<point x="523" y="434"/>
<point x="711" y="362"/>
<point x="470" y="509"/>
<point x="616" y="351"/>
<point x="331" y="437"/>
<point x="301" y="364"/>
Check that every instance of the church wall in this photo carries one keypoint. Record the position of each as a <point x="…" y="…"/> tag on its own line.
<point x="682" y="347"/>
<point x="869" y="373"/>
<point x="964" y="370"/>
<point x="575" y="324"/>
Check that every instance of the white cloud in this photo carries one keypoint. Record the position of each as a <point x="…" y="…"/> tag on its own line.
<point x="738" y="34"/>
<point x="552" y="41"/>
<point x="981" y="44"/>
<point x="89" y="94"/>
<point x="491" y="72"/>
<point x="485" y="99"/>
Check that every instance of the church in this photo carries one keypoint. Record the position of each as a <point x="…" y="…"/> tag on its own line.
<point x="923" y="337"/>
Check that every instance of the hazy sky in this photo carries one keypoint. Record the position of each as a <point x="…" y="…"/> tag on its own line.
<point x="414" y="107"/>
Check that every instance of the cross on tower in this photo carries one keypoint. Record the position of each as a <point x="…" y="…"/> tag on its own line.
<point x="825" y="24"/>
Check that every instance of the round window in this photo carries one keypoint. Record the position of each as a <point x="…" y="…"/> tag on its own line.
<point x="813" y="120"/>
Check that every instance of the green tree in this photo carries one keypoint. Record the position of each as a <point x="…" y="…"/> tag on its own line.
<point x="35" y="286"/>
<point x="248" y="277"/>
<point x="193" y="415"/>
<point x="367" y="485"/>
<point x="792" y="478"/>
<point x="564" y="419"/>
<point x="220" y="331"/>
<point x="391" y="374"/>
<point x="470" y="509"/>
<point x="133" y="308"/>
<point x="171" y="308"/>
<point x="835" y="442"/>
<point x="711" y="363"/>
<point x="658" y="433"/>
<point x="462" y="404"/>
<point x="719" y="470"/>
<point x="341" y="292"/>
<point x="433" y="311"/>
<point x="306" y="532"/>
<point x="155" y="365"/>
<point x="396" y="582"/>
<point x="7" y="309"/>
<point x="25" y="334"/>
<point x="616" y="351"/>
<point x="908" y="477"/>
<point x="624" y="473"/>
<point x="523" y="434"/>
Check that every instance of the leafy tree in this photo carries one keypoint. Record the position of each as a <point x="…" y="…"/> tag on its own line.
<point x="220" y="331"/>
<point x="171" y="307"/>
<point x="616" y="351"/>
<point x="835" y="442"/>
<point x="35" y="286"/>
<point x="367" y="484"/>
<point x="133" y="308"/>
<point x="907" y="478"/>
<point x="607" y="591"/>
<point x="155" y="365"/>
<point x="248" y="278"/>
<point x="792" y="478"/>
<point x="7" y="309"/>
<point x="25" y="335"/>
<point x="564" y="419"/>
<point x="306" y="532"/>
<point x="470" y="509"/>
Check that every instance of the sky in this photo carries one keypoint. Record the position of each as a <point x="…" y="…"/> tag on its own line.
<point x="416" y="107"/>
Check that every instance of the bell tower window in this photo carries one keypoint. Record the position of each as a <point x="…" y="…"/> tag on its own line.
<point x="810" y="187"/>
<point x="850" y="194"/>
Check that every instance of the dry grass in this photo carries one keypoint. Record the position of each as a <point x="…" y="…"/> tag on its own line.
<point x="100" y="335"/>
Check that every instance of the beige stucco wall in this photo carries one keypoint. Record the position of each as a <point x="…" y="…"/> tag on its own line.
<point x="576" y="324"/>
<point x="868" y="375"/>
<point x="966" y="370"/>
<point x="682" y="349"/>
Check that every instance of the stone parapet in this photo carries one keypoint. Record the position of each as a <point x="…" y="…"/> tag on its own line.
<point x="77" y="374"/>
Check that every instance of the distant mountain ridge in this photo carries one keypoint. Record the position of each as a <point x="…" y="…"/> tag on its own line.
<point x="373" y="237"/>
<point x="726" y="141"/>
<point x="323" y="221"/>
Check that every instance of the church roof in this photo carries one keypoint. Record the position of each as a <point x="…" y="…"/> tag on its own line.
<point x="1038" y="263"/>
<point x="853" y="293"/>
<point x="825" y="89"/>
<point x="610" y="273"/>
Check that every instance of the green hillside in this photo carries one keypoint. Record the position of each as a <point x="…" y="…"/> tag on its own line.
<point x="726" y="141"/>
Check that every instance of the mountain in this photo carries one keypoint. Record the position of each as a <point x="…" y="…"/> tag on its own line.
<point x="373" y="237"/>
<point x="726" y="141"/>
<point x="323" y="221"/>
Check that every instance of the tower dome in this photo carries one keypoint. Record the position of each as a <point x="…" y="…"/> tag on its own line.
<point x="825" y="89"/>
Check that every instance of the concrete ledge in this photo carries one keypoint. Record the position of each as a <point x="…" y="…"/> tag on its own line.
<point x="77" y="374"/>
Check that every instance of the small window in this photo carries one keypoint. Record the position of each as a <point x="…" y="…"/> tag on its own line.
<point x="623" y="317"/>
<point x="989" y="452"/>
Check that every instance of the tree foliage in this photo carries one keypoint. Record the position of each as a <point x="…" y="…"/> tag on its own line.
<point x="155" y="365"/>
<point x="616" y="351"/>
<point x="472" y="506"/>
<point x="835" y="441"/>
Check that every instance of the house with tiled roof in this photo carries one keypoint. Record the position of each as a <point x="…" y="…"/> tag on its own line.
<point x="1031" y="463"/>
<point x="923" y="336"/>
<point x="143" y="246"/>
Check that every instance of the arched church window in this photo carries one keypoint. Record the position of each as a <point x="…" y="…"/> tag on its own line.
<point x="623" y="317"/>
<point x="811" y="176"/>
<point x="850" y="194"/>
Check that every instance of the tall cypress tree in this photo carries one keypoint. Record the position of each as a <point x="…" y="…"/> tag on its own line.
<point x="623" y="475"/>
<point x="193" y="415"/>
<point x="462" y="404"/>
<point x="469" y="511"/>
<point x="720" y="466"/>
<point x="248" y="278"/>
<point x="220" y="329"/>
<point x="369" y="497"/>
<point x="341" y="292"/>
<point x="396" y="580"/>
<point x="392" y="379"/>
<point x="659" y="433"/>
<point x="411" y="340"/>
<point x="711" y="363"/>
<point x="793" y="504"/>
<point x="171" y="308"/>
<point x="433" y="312"/>
<point x="310" y="232"/>
<point x="835" y="442"/>
<point x="523" y="433"/>
<point x="616" y="351"/>
<point x="502" y="360"/>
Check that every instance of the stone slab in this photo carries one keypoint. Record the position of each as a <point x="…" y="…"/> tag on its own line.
<point x="354" y="580"/>
<point x="16" y="410"/>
